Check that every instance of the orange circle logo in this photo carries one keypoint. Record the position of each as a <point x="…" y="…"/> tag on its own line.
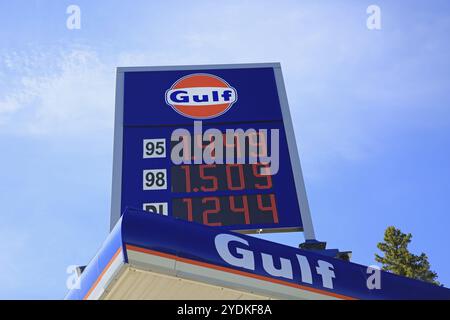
<point x="201" y="96"/>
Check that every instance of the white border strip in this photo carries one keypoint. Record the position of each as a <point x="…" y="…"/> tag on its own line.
<point x="210" y="276"/>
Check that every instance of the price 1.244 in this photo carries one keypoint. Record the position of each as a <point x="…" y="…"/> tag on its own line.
<point x="228" y="210"/>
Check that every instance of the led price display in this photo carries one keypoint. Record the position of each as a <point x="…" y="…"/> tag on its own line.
<point x="217" y="177"/>
<point x="152" y="104"/>
<point x="228" y="210"/>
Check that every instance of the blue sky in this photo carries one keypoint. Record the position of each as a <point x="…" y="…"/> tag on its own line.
<point x="371" y="111"/>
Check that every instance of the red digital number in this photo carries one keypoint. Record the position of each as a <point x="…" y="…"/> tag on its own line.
<point x="211" y="146"/>
<point x="234" y="145"/>
<point x="211" y="178"/>
<point x="187" y="175"/>
<point x="243" y="209"/>
<point x="272" y="207"/>
<point x="211" y="211"/>
<point x="241" y="185"/>
<point x="186" y="140"/>
<point x="188" y="202"/>
<point x="255" y="168"/>
<point x="197" y="145"/>
<point x="257" y="144"/>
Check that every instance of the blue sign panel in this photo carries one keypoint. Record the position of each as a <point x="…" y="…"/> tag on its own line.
<point x="208" y="144"/>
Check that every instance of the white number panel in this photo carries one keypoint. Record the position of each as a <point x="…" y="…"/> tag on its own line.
<point x="154" y="148"/>
<point x="155" y="179"/>
<point x="156" y="207"/>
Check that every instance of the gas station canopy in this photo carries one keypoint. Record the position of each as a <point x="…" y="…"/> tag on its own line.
<point x="150" y="256"/>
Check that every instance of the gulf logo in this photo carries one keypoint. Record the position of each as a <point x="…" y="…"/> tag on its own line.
<point x="201" y="96"/>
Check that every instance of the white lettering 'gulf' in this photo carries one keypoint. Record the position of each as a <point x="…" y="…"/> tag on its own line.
<point x="200" y="96"/>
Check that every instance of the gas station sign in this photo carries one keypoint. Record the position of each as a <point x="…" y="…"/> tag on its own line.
<point x="209" y="144"/>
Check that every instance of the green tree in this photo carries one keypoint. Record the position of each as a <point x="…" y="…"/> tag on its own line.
<point x="397" y="258"/>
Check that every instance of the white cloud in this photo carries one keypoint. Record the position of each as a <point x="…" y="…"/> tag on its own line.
<point x="9" y="105"/>
<point x="346" y="85"/>
<point x="65" y="91"/>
